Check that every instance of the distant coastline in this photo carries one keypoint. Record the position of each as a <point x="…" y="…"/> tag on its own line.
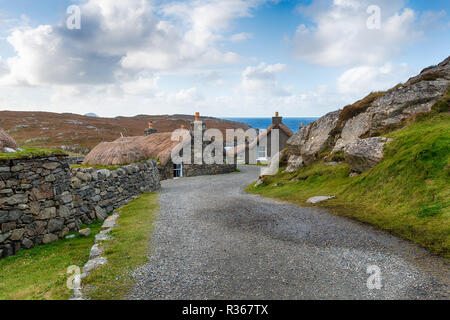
<point x="262" y="123"/>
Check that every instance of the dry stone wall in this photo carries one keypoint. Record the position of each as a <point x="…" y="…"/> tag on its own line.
<point x="43" y="199"/>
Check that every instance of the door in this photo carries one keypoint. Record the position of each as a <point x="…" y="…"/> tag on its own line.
<point x="177" y="170"/>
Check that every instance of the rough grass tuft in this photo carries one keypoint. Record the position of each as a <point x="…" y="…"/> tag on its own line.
<point x="443" y="104"/>
<point x="360" y="106"/>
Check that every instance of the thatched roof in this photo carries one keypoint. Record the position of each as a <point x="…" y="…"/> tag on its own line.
<point x="132" y="149"/>
<point x="6" y="141"/>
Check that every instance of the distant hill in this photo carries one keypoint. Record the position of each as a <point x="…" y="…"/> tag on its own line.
<point x="77" y="133"/>
<point x="91" y="115"/>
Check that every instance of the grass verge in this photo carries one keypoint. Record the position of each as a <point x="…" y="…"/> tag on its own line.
<point x="126" y="252"/>
<point x="40" y="273"/>
<point x="407" y="193"/>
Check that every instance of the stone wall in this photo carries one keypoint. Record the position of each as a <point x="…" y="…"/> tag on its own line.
<point x="192" y="170"/>
<point x="97" y="193"/>
<point x="42" y="199"/>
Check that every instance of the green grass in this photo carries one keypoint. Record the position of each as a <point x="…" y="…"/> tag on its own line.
<point x="128" y="250"/>
<point x="29" y="153"/>
<point x="112" y="168"/>
<point x="407" y="193"/>
<point x="40" y="273"/>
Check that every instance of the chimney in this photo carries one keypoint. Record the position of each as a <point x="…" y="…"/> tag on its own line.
<point x="276" y="120"/>
<point x="150" y="130"/>
<point x="197" y="122"/>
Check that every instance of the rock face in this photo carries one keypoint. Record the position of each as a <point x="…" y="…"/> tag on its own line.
<point x="386" y="111"/>
<point x="363" y="154"/>
<point x="43" y="199"/>
<point x="310" y="140"/>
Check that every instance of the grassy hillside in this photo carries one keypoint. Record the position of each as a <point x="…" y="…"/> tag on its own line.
<point x="408" y="193"/>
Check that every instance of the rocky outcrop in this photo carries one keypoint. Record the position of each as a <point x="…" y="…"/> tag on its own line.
<point x="305" y="145"/>
<point x="377" y="113"/>
<point x="363" y="154"/>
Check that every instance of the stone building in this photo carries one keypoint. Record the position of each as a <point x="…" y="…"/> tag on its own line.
<point x="159" y="146"/>
<point x="263" y="142"/>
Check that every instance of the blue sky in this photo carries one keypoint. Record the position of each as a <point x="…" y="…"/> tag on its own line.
<point x="231" y="58"/>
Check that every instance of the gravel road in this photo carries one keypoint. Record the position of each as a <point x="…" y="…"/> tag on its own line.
<point x="214" y="241"/>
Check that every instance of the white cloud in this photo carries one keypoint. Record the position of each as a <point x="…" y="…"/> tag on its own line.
<point x="124" y="37"/>
<point x="140" y="86"/>
<point x="364" y="79"/>
<point x="261" y="79"/>
<point x="238" y="37"/>
<point x="212" y="78"/>
<point x="338" y="34"/>
<point x="185" y="96"/>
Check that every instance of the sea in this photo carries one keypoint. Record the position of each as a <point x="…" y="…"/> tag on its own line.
<point x="262" y="123"/>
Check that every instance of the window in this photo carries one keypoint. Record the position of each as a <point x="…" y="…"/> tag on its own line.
<point x="262" y="152"/>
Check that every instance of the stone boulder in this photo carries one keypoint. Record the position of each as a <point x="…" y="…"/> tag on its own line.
<point x="294" y="163"/>
<point x="363" y="154"/>
<point x="310" y="140"/>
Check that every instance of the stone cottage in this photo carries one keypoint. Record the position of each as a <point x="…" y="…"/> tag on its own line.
<point x="159" y="146"/>
<point x="263" y="142"/>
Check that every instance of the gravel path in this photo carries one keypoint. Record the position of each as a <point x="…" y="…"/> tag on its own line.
<point x="214" y="241"/>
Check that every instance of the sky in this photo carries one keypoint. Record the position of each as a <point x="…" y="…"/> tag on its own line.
<point x="225" y="58"/>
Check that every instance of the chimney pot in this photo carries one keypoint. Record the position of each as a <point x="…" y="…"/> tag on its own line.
<point x="197" y="116"/>
<point x="150" y="125"/>
<point x="276" y="114"/>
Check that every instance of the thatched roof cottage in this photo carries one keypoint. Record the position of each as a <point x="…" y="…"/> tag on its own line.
<point x="152" y="145"/>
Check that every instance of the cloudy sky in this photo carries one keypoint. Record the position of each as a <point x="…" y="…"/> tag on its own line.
<point x="219" y="57"/>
